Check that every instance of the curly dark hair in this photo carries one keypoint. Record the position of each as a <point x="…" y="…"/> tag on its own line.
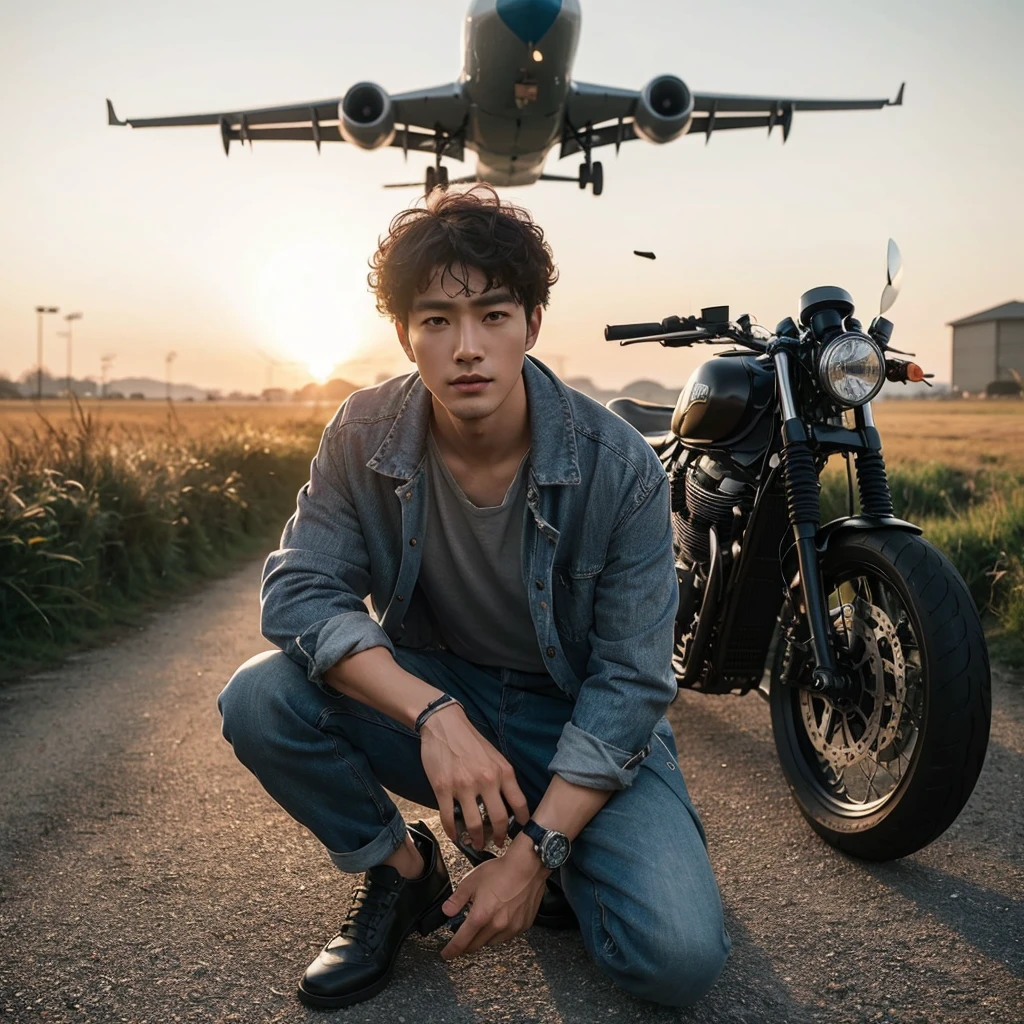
<point x="454" y="233"/>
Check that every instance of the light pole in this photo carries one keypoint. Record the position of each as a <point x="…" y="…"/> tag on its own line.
<point x="168" y="359"/>
<point x="69" y="319"/>
<point x="40" y="310"/>
<point x="105" y="363"/>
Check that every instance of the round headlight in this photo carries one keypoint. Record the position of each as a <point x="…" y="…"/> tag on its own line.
<point x="851" y="368"/>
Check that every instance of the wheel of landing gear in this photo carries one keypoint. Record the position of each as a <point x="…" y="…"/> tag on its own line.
<point x="442" y="177"/>
<point x="584" y="175"/>
<point x="431" y="179"/>
<point x="597" y="178"/>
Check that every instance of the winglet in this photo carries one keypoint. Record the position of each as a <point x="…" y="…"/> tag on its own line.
<point x="112" y="118"/>
<point x="898" y="102"/>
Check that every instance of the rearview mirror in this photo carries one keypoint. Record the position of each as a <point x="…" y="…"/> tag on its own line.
<point x="893" y="276"/>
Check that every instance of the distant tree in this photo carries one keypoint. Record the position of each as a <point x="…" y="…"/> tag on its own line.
<point x="8" y="389"/>
<point x="136" y="396"/>
<point x="1003" y="389"/>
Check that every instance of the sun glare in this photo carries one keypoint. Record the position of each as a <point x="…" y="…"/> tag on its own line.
<point x="310" y="310"/>
<point x="321" y="369"/>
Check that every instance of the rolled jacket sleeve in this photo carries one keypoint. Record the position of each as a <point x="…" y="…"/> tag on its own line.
<point x="314" y="585"/>
<point x="630" y="680"/>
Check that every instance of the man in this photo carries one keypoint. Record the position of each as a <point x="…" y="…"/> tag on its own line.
<point x="515" y="539"/>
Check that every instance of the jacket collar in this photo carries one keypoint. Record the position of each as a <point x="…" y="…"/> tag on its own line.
<point x="553" y="456"/>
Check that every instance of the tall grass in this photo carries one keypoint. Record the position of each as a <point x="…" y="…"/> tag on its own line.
<point x="976" y="517"/>
<point x="96" y="519"/>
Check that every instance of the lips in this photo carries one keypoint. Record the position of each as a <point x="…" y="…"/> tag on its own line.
<point x="470" y="383"/>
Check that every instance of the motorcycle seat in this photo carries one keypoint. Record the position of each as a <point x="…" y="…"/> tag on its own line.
<point x="648" y="417"/>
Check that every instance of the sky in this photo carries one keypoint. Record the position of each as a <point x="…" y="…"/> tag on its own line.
<point x="164" y="244"/>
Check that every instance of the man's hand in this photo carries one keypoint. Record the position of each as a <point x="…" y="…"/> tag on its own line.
<point x="505" y="894"/>
<point x="461" y="765"/>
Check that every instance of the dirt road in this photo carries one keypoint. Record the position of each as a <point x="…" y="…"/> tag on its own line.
<point x="146" y="877"/>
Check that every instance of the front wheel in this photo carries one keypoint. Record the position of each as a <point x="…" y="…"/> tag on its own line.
<point x="884" y="771"/>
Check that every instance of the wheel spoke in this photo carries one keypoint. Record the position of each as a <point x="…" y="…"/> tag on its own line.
<point x="863" y="748"/>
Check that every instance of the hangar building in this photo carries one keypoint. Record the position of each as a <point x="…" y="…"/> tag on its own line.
<point x="987" y="346"/>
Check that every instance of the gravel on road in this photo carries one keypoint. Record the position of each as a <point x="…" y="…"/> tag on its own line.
<point x="146" y="877"/>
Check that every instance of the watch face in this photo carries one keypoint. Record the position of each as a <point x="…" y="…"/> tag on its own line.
<point x="554" y="850"/>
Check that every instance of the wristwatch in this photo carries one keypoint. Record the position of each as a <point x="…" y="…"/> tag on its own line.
<point x="552" y="847"/>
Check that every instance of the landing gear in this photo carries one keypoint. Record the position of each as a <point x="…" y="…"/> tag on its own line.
<point x="437" y="177"/>
<point x="592" y="174"/>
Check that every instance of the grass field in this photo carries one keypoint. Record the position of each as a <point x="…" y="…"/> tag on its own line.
<point x="109" y="507"/>
<point x="966" y="434"/>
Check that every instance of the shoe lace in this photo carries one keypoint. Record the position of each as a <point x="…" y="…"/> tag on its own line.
<point x="369" y="905"/>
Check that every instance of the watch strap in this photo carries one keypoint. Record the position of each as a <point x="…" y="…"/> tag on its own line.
<point x="535" y="832"/>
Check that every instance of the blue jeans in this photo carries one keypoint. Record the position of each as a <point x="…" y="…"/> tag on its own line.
<point x="638" y="879"/>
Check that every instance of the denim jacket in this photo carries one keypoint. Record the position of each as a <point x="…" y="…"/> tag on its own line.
<point x="598" y="566"/>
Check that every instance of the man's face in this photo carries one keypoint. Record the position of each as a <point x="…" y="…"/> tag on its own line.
<point x="483" y="336"/>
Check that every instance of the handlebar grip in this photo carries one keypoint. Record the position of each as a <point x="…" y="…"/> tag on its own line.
<point x="623" y="332"/>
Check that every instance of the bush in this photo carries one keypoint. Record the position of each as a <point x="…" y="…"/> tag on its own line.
<point x="976" y="517"/>
<point x="96" y="519"/>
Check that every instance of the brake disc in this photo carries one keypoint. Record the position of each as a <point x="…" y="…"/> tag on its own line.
<point x="844" y="733"/>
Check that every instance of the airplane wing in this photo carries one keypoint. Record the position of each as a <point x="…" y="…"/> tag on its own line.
<point x="441" y="111"/>
<point x="594" y="104"/>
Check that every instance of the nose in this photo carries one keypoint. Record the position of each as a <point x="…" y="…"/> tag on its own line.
<point x="469" y="348"/>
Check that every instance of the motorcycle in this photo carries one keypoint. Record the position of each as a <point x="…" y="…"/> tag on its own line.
<point x="862" y="636"/>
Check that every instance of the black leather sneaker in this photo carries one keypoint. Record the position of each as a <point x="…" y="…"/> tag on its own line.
<point x="359" y="961"/>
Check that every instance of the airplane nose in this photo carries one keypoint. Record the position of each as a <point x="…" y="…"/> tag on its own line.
<point x="529" y="19"/>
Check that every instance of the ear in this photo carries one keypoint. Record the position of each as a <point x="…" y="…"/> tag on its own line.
<point x="403" y="338"/>
<point x="533" y="326"/>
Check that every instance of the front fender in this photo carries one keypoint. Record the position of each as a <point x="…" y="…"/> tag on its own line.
<point x="835" y="528"/>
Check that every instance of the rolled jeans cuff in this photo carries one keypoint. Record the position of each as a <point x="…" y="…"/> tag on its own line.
<point x="374" y="852"/>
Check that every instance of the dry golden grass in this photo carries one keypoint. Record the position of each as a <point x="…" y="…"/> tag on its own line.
<point x="966" y="434"/>
<point x="22" y="416"/>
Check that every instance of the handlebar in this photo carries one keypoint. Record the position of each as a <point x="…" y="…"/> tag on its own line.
<point x="677" y="332"/>
<point x="622" y="332"/>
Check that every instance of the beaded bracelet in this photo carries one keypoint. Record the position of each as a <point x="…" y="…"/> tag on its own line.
<point x="435" y="705"/>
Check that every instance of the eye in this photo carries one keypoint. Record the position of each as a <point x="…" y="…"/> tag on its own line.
<point x="499" y="314"/>
<point x="435" y="321"/>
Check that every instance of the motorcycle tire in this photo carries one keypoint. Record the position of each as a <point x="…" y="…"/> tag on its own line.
<point x="930" y="661"/>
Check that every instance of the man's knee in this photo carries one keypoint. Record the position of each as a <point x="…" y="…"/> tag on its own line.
<point x="673" y="966"/>
<point x="244" y="702"/>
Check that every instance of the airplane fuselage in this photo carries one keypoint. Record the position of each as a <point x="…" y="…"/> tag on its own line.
<point x="518" y="57"/>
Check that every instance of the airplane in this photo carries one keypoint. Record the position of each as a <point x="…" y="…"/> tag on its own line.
<point x="513" y="102"/>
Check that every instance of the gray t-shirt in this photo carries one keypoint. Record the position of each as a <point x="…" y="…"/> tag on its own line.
<point x="471" y="571"/>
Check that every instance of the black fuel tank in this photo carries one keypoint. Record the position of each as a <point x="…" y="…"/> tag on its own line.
<point x="722" y="399"/>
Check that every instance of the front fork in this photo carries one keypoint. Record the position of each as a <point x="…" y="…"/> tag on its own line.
<point x="801" y="476"/>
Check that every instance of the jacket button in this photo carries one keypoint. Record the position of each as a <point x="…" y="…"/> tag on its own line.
<point x="408" y="495"/>
<point x="399" y="597"/>
<point x="543" y="605"/>
<point x="412" y="542"/>
<point x="540" y="584"/>
<point x="550" y="652"/>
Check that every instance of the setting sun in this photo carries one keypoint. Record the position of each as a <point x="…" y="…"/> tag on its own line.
<point x="307" y="307"/>
<point x="321" y="369"/>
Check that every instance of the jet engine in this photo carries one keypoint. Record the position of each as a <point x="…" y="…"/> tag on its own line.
<point x="366" y="116"/>
<point x="664" y="110"/>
